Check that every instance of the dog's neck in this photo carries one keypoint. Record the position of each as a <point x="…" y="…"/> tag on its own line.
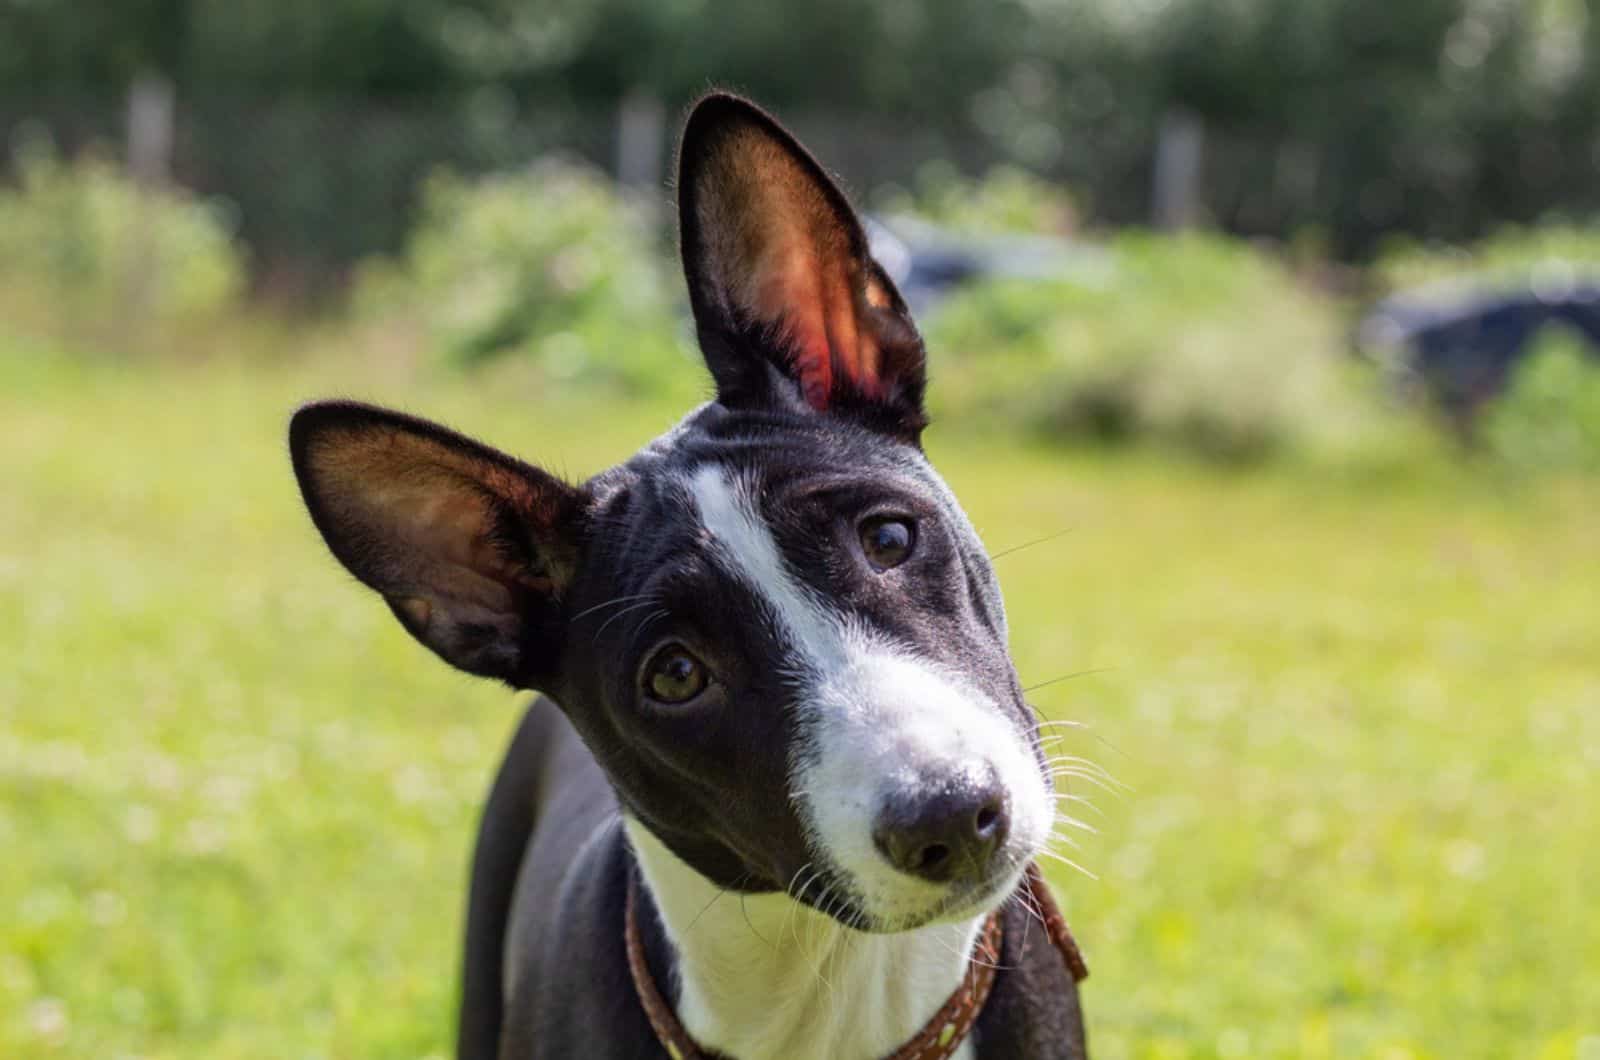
<point x="763" y="976"/>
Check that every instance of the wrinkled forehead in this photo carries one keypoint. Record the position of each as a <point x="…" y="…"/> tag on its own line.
<point x="720" y="471"/>
<point x="769" y="461"/>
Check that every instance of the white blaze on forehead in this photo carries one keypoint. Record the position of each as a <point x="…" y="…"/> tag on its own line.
<point x="726" y="512"/>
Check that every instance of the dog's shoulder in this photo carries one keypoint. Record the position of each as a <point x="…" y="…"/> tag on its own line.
<point x="1033" y="1013"/>
<point x="572" y="994"/>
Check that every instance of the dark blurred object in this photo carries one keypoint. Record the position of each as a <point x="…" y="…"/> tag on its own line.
<point x="1462" y="349"/>
<point x="927" y="262"/>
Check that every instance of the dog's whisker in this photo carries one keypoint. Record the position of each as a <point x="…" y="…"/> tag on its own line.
<point x="972" y="956"/>
<point x="1065" y="840"/>
<point x="1054" y="856"/>
<point x="1067" y="821"/>
<point x="1030" y="906"/>
<point x="1052" y="733"/>
<point x="654" y="616"/>
<point x="1063" y="769"/>
<point x="1059" y="723"/>
<point x="789" y="887"/>
<point x="836" y="934"/>
<point x="794" y="896"/>
<point x="1072" y="767"/>
<point x="1049" y="737"/>
<point x="1030" y="913"/>
<point x="1065" y="778"/>
<point x="1054" y="729"/>
<point x="819" y="926"/>
<point x="1069" y="771"/>
<point x="791" y="924"/>
<point x="1075" y="823"/>
<point x="1035" y="914"/>
<point x="706" y="908"/>
<point x="1067" y="677"/>
<point x="1067" y="757"/>
<point x="1111" y="787"/>
<point x="744" y="911"/>
<point x="791" y="890"/>
<point x="607" y="603"/>
<point x="1078" y="759"/>
<point x="618" y="613"/>
<point x="1029" y="544"/>
<point x="945" y="945"/>
<point x="1045" y="743"/>
<point x="1042" y="742"/>
<point x="1048" y="722"/>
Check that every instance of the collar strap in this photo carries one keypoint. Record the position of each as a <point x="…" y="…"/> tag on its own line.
<point x="938" y="1039"/>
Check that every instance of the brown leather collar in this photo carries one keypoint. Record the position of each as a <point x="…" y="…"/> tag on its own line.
<point x="938" y="1039"/>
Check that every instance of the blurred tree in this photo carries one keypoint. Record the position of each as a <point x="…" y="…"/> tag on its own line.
<point x="62" y="44"/>
<point x="1436" y="117"/>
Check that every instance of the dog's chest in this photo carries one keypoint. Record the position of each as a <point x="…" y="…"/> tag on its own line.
<point x="825" y="1004"/>
<point x="761" y="977"/>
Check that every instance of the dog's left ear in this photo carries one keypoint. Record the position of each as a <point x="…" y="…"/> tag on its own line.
<point x="787" y="300"/>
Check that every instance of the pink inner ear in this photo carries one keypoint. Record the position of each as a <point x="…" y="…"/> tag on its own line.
<point x="815" y="300"/>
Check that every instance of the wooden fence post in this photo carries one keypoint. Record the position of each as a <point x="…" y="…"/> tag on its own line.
<point x="641" y="140"/>
<point x="1180" y="147"/>
<point x="150" y="140"/>
<point x="151" y="118"/>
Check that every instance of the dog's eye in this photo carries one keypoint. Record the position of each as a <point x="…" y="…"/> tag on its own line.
<point x="887" y="541"/>
<point x="674" y="675"/>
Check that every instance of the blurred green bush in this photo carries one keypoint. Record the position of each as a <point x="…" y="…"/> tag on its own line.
<point x="551" y="264"/>
<point x="1196" y="342"/>
<point x="1549" y="418"/>
<point x="83" y="241"/>
<point x="1006" y="199"/>
<point x="1548" y="257"/>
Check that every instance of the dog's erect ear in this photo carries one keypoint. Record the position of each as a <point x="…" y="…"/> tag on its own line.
<point x="471" y="548"/>
<point x="783" y="288"/>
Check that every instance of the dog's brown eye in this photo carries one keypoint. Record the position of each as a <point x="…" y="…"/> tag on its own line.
<point x="887" y="542"/>
<point x="674" y="675"/>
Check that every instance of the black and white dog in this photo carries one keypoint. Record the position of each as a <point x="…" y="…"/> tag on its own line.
<point x="782" y="721"/>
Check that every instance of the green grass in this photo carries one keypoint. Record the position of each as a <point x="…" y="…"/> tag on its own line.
<point x="1359" y="718"/>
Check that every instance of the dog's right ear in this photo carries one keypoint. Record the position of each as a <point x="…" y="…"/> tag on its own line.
<point x="788" y="302"/>
<point x="471" y="548"/>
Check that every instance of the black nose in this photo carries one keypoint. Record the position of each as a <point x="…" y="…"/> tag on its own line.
<point x="951" y="833"/>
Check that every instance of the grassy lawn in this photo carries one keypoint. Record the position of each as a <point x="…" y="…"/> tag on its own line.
<point x="1359" y="721"/>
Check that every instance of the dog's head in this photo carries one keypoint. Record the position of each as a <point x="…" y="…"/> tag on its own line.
<point x="774" y="627"/>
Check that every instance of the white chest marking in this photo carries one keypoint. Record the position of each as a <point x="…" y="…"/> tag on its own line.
<point x="766" y="978"/>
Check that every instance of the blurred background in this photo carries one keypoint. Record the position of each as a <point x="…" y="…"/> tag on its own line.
<point x="1265" y="342"/>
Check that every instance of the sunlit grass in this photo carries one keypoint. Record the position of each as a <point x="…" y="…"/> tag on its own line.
<point x="1359" y="722"/>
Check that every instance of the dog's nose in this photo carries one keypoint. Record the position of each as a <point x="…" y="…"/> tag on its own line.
<point x="948" y="835"/>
